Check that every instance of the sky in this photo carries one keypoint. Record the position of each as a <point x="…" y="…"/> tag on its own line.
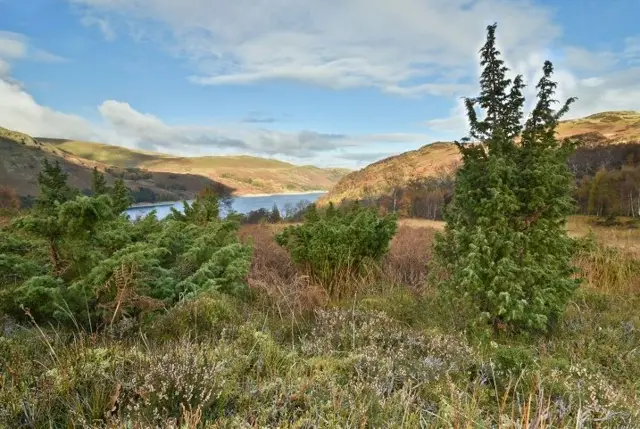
<point x="337" y="83"/>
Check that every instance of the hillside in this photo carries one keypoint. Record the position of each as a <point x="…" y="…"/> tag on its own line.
<point x="152" y="176"/>
<point x="245" y="174"/>
<point x="21" y="157"/>
<point x="431" y="160"/>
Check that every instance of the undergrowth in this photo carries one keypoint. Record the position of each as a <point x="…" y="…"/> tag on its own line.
<point x="290" y="357"/>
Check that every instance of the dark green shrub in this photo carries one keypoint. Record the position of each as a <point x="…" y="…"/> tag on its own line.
<point x="75" y="258"/>
<point x="204" y="317"/>
<point x="333" y="248"/>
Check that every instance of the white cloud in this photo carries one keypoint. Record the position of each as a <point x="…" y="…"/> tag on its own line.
<point x="12" y="45"/>
<point x="632" y="49"/>
<point x="45" y="57"/>
<point x="15" y="46"/>
<point x="5" y="68"/>
<point x="149" y="132"/>
<point x="405" y="47"/>
<point x="585" y="60"/>
<point x="124" y="125"/>
<point x="19" y="111"/>
<point x="103" y="25"/>
<point x="452" y="126"/>
<point x="393" y="46"/>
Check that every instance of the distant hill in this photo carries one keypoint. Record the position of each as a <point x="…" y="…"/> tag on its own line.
<point x="21" y="157"/>
<point x="152" y="176"/>
<point x="606" y="128"/>
<point x="245" y="174"/>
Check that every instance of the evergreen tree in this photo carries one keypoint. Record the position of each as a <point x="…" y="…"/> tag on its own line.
<point x="98" y="183"/>
<point x="120" y="196"/>
<point x="274" y="216"/>
<point x="311" y="213"/>
<point x="54" y="189"/>
<point x="204" y="209"/>
<point x="331" y="210"/>
<point x="505" y="245"/>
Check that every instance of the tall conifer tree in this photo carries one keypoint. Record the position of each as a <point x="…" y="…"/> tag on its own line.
<point x="98" y="183"/>
<point x="120" y="196"/>
<point x="505" y="245"/>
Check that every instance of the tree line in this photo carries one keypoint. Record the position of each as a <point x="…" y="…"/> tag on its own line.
<point x="607" y="183"/>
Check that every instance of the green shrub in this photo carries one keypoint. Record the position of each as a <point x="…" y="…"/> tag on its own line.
<point x="74" y="258"/>
<point x="203" y="317"/>
<point x="335" y="247"/>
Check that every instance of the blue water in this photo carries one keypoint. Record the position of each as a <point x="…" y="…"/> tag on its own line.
<point x="240" y="204"/>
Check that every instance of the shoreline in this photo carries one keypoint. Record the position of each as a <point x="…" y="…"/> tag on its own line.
<point x="171" y="203"/>
<point x="319" y="191"/>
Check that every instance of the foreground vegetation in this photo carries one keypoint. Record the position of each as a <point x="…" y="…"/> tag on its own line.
<point x="287" y="356"/>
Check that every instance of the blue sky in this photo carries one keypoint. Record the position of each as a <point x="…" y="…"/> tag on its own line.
<point x="327" y="82"/>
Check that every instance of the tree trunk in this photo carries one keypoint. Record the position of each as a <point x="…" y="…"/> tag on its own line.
<point x="54" y="255"/>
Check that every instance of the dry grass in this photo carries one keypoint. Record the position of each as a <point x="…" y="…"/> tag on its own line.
<point x="274" y="276"/>
<point x="410" y="250"/>
<point x="622" y="237"/>
<point x="613" y="266"/>
<point x="610" y="270"/>
<point x="437" y="225"/>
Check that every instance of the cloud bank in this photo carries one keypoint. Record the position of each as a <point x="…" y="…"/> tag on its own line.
<point x="405" y="48"/>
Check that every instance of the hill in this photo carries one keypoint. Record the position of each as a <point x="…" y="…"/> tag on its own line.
<point x="21" y="157"/>
<point x="432" y="160"/>
<point x="152" y="176"/>
<point x="245" y="174"/>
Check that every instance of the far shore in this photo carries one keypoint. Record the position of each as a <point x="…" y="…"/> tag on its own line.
<point x="170" y="203"/>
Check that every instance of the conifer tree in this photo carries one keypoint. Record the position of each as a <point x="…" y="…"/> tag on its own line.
<point x="331" y="211"/>
<point x="98" y="183"/>
<point x="54" y="189"/>
<point x="274" y="216"/>
<point x="120" y="196"/>
<point x="505" y="245"/>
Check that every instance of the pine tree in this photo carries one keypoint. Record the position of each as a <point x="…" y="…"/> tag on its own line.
<point x="311" y="213"/>
<point x="98" y="183"/>
<point x="274" y="216"/>
<point x="120" y="196"/>
<point x="331" y="211"/>
<point x="505" y="245"/>
<point x="54" y="189"/>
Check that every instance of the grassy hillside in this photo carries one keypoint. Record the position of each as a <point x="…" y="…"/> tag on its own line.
<point x="604" y="128"/>
<point x="246" y="174"/>
<point x="22" y="155"/>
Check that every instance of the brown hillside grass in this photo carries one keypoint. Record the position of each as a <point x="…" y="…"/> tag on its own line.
<point x="245" y="174"/>
<point x="602" y="129"/>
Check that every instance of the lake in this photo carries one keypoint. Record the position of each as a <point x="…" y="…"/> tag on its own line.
<point x="241" y="204"/>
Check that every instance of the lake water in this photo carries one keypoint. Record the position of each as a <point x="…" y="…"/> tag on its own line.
<point x="243" y="204"/>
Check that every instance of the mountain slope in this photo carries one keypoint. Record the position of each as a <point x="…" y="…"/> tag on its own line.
<point x="21" y="157"/>
<point x="431" y="160"/>
<point x="246" y="174"/>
